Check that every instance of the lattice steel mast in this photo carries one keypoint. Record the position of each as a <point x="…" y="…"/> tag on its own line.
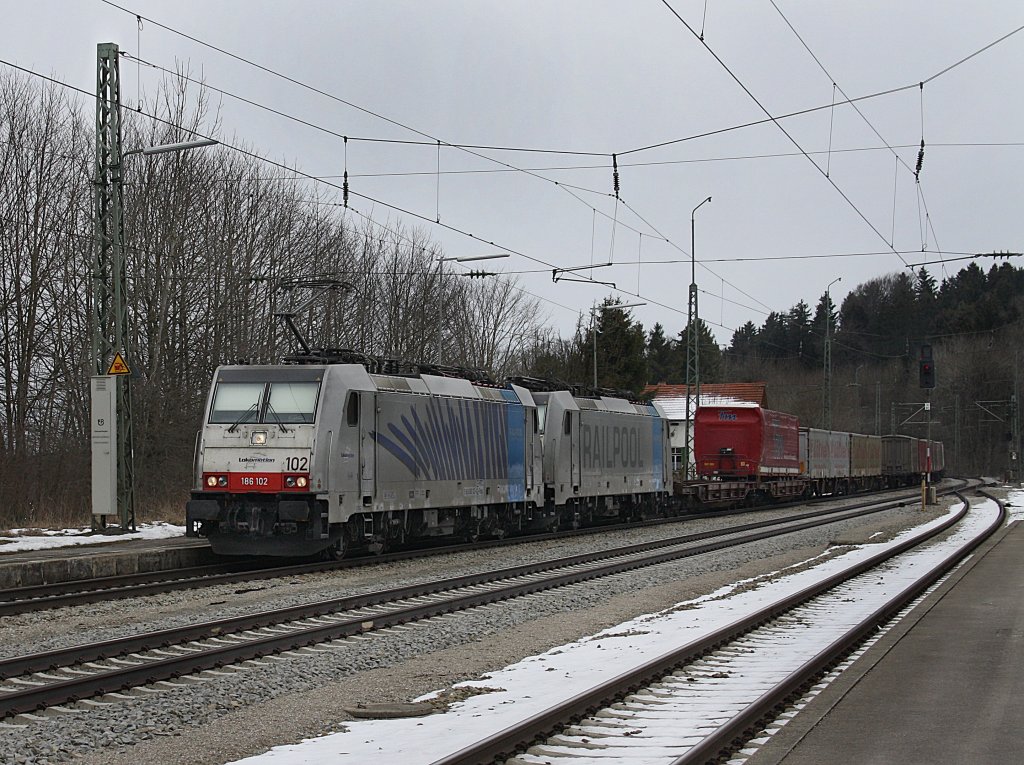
<point x="109" y="304"/>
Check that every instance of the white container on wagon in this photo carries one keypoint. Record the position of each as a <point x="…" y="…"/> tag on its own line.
<point x="825" y="453"/>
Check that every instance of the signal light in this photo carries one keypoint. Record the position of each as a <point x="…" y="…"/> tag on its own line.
<point x="926" y="373"/>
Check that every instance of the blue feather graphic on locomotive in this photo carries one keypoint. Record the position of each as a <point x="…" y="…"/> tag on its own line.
<point x="460" y="440"/>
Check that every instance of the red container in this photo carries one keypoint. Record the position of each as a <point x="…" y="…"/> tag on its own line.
<point x="744" y="442"/>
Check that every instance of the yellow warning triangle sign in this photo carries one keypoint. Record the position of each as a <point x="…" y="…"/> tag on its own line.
<point x="118" y="367"/>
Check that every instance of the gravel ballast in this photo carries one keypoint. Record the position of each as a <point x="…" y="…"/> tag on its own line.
<point x="244" y="711"/>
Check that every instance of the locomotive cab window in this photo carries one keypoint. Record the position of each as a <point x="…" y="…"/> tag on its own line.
<point x="352" y="409"/>
<point x="291" y="402"/>
<point x="541" y="416"/>
<point x="237" y="403"/>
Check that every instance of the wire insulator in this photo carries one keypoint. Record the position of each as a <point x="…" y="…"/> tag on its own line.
<point x="920" y="162"/>
<point x="615" y="175"/>
<point x="344" y="185"/>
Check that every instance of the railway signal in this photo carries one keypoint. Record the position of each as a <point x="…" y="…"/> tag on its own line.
<point x="926" y="368"/>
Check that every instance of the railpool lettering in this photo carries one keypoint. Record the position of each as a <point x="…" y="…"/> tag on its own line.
<point x="609" y="446"/>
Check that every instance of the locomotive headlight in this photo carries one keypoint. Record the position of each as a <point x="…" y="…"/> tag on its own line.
<point x="211" y="481"/>
<point x="301" y="481"/>
<point x="289" y="481"/>
<point x="222" y="480"/>
<point x="258" y="438"/>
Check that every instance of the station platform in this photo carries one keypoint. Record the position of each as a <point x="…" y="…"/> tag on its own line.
<point x="124" y="556"/>
<point x="944" y="685"/>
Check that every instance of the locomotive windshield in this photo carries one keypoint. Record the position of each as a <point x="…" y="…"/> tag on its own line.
<point x="292" y="401"/>
<point x="275" y="403"/>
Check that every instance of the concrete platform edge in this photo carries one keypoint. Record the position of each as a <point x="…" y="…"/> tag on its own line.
<point x="90" y="564"/>
<point x="789" y="736"/>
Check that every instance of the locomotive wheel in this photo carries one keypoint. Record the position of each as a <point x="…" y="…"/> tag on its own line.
<point x="338" y="549"/>
<point x="378" y="545"/>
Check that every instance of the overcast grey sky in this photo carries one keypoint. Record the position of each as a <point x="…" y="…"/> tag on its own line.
<point x="600" y="77"/>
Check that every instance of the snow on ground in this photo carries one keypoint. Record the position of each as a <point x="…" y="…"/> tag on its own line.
<point x="20" y="540"/>
<point x="1015" y="506"/>
<point x="538" y="682"/>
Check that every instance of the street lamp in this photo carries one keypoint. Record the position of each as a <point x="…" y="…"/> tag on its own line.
<point x="692" y="344"/>
<point x="593" y="328"/>
<point x="441" y="301"/>
<point x="112" y="447"/>
<point x="827" y="405"/>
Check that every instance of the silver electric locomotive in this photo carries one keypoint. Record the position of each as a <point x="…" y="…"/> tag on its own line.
<point x="296" y="460"/>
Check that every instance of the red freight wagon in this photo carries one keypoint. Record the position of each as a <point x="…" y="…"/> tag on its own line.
<point x="745" y="441"/>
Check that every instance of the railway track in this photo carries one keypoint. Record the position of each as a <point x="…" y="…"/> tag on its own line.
<point x="82" y="592"/>
<point x="64" y="676"/>
<point x="701" y="702"/>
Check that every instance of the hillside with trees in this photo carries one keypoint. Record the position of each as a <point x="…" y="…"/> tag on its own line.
<point x="973" y="319"/>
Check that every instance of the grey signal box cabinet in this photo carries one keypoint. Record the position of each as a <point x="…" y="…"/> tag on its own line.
<point x="103" y="427"/>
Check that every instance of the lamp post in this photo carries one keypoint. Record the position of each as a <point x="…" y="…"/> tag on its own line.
<point x="113" y="478"/>
<point x="441" y="301"/>
<point x="594" y="330"/>
<point x="692" y="345"/>
<point x="827" y="398"/>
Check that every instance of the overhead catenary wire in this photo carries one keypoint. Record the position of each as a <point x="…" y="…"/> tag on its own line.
<point x="279" y="165"/>
<point x="922" y="202"/>
<point x="505" y="167"/>
<point x="811" y="110"/>
<point x="564" y="186"/>
<point x="694" y="160"/>
<point x="429" y="140"/>
<point x="373" y="222"/>
<point x="61" y="232"/>
<point x="785" y="132"/>
<point x="640" y="232"/>
<point x="773" y="119"/>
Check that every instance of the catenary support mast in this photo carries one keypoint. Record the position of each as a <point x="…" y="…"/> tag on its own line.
<point x="109" y="304"/>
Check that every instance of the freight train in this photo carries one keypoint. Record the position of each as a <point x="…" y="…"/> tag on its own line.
<point x="747" y="452"/>
<point x="323" y="458"/>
